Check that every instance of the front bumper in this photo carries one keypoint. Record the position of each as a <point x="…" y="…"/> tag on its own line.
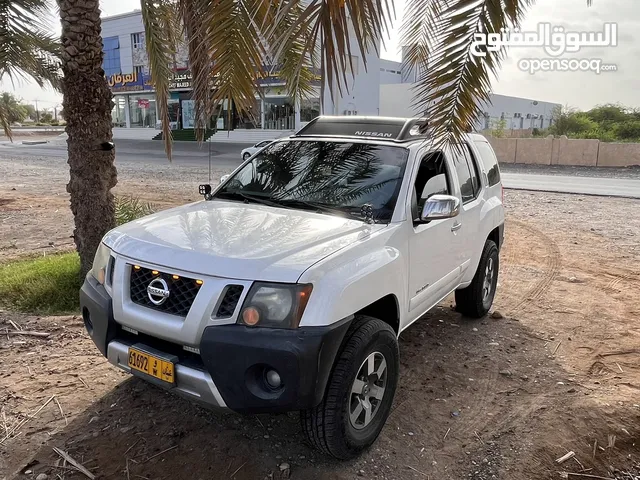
<point x="230" y="370"/>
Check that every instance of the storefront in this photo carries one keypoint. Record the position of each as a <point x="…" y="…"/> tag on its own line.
<point x="135" y="105"/>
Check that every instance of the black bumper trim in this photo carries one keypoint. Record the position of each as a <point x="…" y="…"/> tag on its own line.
<point x="235" y="356"/>
<point x="97" y="313"/>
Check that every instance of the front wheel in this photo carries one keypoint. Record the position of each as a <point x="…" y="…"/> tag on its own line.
<point x="359" y="393"/>
<point x="476" y="299"/>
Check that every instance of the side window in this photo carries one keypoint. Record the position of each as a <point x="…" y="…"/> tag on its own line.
<point x="490" y="162"/>
<point x="464" y="176"/>
<point x="473" y="169"/>
<point x="432" y="179"/>
<point x="263" y="143"/>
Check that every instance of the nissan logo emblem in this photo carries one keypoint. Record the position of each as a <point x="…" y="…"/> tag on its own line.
<point x="158" y="291"/>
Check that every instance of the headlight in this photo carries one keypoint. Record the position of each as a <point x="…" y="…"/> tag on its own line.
<point x="275" y="305"/>
<point x="100" y="261"/>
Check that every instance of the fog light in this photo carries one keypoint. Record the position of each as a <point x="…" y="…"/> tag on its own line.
<point x="273" y="379"/>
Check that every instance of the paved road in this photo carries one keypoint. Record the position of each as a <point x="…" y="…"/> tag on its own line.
<point x="227" y="155"/>
<point x="223" y="155"/>
<point x="616" y="187"/>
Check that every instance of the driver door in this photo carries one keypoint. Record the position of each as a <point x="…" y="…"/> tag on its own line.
<point x="434" y="266"/>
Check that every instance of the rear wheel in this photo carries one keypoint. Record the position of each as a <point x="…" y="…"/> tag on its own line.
<point x="359" y="393"/>
<point x="476" y="299"/>
<point x="246" y="156"/>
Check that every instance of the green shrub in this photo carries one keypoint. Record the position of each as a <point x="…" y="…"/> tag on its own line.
<point x="44" y="285"/>
<point x="131" y="208"/>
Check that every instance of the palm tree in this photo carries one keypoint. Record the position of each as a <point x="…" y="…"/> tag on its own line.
<point x="228" y="41"/>
<point x="11" y="108"/>
<point x="28" y="50"/>
<point x="87" y="108"/>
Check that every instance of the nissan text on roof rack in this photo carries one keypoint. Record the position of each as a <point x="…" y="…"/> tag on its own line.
<point x="288" y="286"/>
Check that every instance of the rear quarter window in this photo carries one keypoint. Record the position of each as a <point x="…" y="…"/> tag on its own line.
<point x="490" y="162"/>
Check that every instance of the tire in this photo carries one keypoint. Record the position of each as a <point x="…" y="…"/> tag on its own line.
<point x="474" y="301"/>
<point x="328" y="427"/>
<point x="246" y="156"/>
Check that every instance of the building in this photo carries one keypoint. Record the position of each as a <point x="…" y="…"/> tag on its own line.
<point x="514" y="113"/>
<point x="383" y="88"/>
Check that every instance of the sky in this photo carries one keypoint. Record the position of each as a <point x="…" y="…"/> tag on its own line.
<point x="581" y="90"/>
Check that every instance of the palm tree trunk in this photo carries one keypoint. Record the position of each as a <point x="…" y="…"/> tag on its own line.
<point x="87" y="106"/>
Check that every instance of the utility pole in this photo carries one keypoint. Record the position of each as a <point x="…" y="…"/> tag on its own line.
<point x="37" y="113"/>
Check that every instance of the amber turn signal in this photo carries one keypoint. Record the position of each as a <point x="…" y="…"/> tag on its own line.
<point x="250" y="316"/>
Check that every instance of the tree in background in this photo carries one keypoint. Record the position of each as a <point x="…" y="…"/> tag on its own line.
<point x="31" y="111"/>
<point x="498" y="128"/>
<point x="46" y="117"/>
<point x="13" y="109"/>
<point x="608" y="123"/>
<point x="27" y="48"/>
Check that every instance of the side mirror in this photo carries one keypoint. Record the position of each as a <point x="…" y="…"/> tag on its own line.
<point x="439" y="207"/>
<point x="223" y="178"/>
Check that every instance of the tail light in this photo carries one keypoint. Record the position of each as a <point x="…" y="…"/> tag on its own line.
<point x="502" y="192"/>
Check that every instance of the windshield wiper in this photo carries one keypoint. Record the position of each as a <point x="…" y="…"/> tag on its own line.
<point x="235" y="195"/>
<point x="320" y="207"/>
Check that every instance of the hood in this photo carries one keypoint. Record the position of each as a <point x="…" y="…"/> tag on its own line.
<point x="236" y="240"/>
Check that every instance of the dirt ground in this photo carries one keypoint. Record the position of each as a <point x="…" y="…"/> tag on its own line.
<point x="499" y="398"/>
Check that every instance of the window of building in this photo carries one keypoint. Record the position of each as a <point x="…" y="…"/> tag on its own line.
<point x="139" y="69"/>
<point x="309" y="109"/>
<point x="111" y="61"/>
<point x="142" y="110"/>
<point x="137" y="40"/>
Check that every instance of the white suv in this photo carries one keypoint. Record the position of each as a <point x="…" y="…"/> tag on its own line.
<point x="287" y="287"/>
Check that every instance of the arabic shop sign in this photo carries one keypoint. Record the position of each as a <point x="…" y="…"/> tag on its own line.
<point x="136" y="82"/>
<point x="180" y="80"/>
<point x="129" y="82"/>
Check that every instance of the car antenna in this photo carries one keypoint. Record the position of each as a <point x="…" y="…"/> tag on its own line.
<point x="209" y="142"/>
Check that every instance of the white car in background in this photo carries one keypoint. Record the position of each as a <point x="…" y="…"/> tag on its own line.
<point x="247" y="152"/>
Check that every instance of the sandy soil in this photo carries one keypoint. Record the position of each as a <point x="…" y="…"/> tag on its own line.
<point x="499" y="398"/>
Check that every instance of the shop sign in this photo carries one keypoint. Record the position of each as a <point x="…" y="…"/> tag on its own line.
<point x="143" y="102"/>
<point x="180" y="80"/>
<point x="128" y="82"/>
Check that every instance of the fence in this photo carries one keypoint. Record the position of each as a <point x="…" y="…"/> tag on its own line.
<point x="566" y="151"/>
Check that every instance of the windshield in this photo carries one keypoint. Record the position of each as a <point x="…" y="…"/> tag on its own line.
<point x="330" y="177"/>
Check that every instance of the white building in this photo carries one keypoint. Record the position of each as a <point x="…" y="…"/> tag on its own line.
<point x="397" y="100"/>
<point x="383" y="88"/>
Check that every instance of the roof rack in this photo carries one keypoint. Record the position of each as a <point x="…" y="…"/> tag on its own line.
<point x="379" y="128"/>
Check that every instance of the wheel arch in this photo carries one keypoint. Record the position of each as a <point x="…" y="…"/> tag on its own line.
<point x="386" y="308"/>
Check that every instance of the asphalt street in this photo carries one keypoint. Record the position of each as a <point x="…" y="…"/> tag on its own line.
<point x="611" y="187"/>
<point x="223" y="155"/>
<point x="227" y="155"/>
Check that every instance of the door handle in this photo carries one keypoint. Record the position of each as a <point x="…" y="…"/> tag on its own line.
<point x="456" y="226"/>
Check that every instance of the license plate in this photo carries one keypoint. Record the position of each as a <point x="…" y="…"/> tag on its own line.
<point x="152" y="366"/>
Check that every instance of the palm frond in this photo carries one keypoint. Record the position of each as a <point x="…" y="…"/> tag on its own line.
<point x="453" y="86"/>
<point x="161" y="24"/>
<point x="229" y="52"/>
<point x="28" y="50"/>
<point x="296" y="59"/>
<point x="330" y="26"/>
